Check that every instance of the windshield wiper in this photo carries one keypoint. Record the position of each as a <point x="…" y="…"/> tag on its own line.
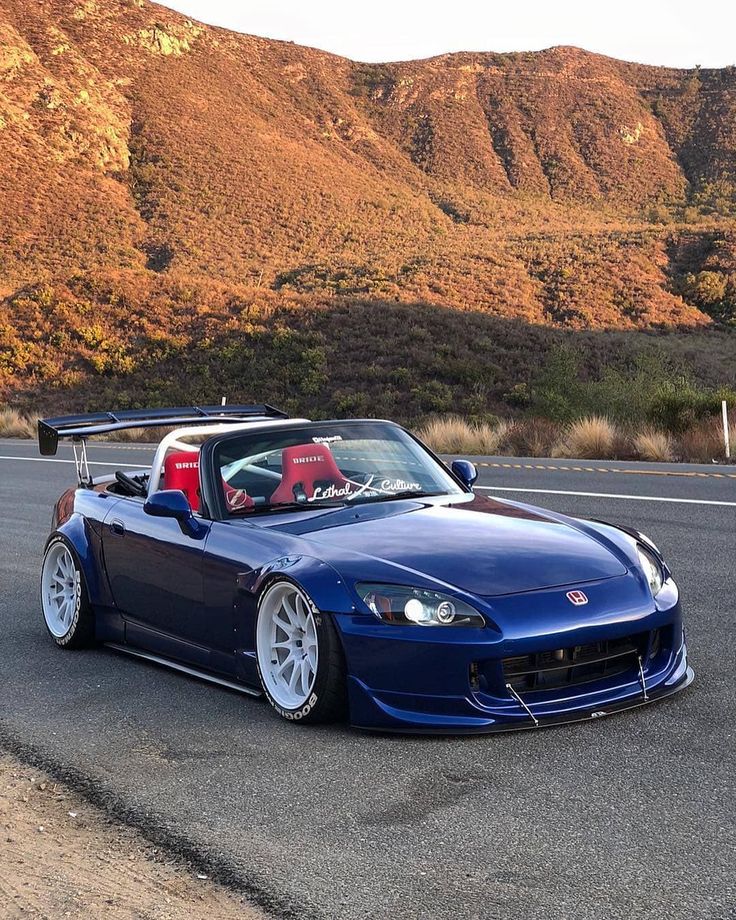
<point x="407" y="493"/>
<point x="299" y="506"/>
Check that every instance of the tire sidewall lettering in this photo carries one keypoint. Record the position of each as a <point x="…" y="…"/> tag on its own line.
<point x="292" y="715"/>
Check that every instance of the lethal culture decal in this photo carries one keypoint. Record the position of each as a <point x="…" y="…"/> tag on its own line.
<point x="353" y="489"/>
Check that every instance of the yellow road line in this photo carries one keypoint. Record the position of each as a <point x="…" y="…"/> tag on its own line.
<point x="691" y="474"/>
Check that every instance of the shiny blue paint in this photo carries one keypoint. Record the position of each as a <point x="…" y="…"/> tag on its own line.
<point x="413" y="676"/>
<point x="465" y="471"/>
<point x="480" y="547"/>
<point x="155" y="571"/>
<point x="190" y="593"/>
<point x="173" y="503"/>
<point x="78" y="516"/>
<point x="241" y="558"/>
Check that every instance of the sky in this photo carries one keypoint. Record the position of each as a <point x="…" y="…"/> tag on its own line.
<point x="673" y="33"/>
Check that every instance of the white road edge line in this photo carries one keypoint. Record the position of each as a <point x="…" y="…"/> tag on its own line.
<point x="91" y="445"/>
<point x="637" y="498"/>
<point x="58" y="460"/>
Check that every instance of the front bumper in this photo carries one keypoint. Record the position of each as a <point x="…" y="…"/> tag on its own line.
<point x="426" y="680"/>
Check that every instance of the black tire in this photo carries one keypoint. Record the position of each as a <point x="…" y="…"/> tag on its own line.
<point x="80" y="628"/>
<point x="327" y="701"/>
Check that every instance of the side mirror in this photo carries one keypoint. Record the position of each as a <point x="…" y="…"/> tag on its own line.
<point x="465" y="471"/>
<point x="173" y="503"/>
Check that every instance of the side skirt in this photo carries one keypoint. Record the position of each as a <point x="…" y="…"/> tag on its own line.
<point x="184" y="669"/>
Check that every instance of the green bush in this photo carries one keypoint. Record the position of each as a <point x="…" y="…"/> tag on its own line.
<point x="677" y="406"/>
<point x="653" y="389"/>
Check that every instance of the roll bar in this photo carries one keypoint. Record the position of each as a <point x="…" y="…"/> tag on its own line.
<point x="172" y="441"/>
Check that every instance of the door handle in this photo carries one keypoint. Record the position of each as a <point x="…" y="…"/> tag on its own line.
<point x="118" y="528"/>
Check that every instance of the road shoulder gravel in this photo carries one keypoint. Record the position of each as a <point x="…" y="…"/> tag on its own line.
<point x="62" y="857"/>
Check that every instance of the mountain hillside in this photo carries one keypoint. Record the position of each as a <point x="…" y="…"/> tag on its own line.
<point x="154" y="171"/>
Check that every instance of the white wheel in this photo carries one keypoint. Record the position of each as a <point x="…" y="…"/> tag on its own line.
<point x="66" y="610"/>
<point x="60" y="590"/>
<point x="287" y="646"/>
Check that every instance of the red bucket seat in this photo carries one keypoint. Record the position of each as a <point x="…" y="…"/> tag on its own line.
<point x="181" y="471"/>
<point x="305" y="466"/>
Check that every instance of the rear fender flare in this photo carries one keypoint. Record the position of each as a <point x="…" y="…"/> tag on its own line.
<point x="76" y="533"/>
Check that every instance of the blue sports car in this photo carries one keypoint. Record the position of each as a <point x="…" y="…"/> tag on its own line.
<point x="343" y="571"/>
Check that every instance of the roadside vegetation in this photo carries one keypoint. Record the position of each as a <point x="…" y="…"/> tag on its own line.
<point x="451" y="434"/>
<point x="471" y="382"/>
<point x="405" y="240"/>
<point x="14" y="424"/>
<point x="589" y="438"/>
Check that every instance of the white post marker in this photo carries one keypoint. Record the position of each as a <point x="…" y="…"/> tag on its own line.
<point x="224" y="400"/>
<point x="726" y="435"/>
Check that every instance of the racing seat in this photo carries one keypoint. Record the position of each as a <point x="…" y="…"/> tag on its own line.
<point x="181" y="471"/>
<point x="302" y="468"/>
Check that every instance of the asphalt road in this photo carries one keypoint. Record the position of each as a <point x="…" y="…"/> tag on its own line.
<point x="626" y="817"/>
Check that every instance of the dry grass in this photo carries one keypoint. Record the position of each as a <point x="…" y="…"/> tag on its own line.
<point x="703" y="443"/>
<point x="654" y="445"/>
<point x="591" y="438"/>
<point x="453" y="435"/>
<point x="136" y="435"/>
<point x="15" y="425"/>
<point x="532" y="437"/>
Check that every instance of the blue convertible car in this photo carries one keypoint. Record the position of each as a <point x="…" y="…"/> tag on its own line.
<point x="343" y="571"/>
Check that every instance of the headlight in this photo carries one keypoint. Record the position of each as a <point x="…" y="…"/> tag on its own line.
<point x="652" y="569"/>
<point x="415" y="606"/>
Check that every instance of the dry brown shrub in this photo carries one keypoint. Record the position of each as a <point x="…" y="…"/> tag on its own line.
<point x="703" y="443"/>
<point x="15" y="425"/>
<point x="654" y="445"/>
<point x="591" y="438"/>
<point x="532" y="437"/>
<point x="453" y="435"/>
<point x="623" y="445"/>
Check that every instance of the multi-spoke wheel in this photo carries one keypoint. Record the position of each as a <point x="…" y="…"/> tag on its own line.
<point x="63" y="598"/>
<point x="299" y="656"/>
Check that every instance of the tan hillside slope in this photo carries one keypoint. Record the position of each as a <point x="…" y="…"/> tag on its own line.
<point x="141" y="151"/>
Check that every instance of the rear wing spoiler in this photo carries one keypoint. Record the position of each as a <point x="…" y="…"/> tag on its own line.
<point x="80" y="427"/>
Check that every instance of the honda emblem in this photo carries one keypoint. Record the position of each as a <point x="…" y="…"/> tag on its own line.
<point x="577" y="597"/>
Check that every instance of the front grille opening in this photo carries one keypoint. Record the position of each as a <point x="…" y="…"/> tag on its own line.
<point x="579" y="664"/>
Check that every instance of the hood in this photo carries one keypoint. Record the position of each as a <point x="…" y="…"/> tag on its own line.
<point x="484" y="547"/>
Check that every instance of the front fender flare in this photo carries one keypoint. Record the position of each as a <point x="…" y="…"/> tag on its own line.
<point x="321" y="581"/>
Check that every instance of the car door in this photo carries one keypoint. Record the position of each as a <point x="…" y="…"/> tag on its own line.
<point x="155" y="574"/>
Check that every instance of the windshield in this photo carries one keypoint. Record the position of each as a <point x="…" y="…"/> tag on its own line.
<point x="326" y="464"/>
